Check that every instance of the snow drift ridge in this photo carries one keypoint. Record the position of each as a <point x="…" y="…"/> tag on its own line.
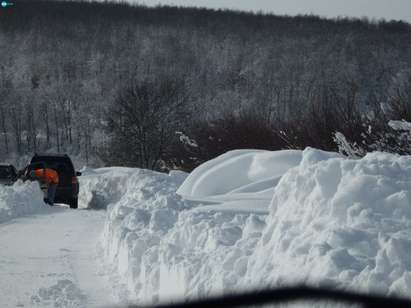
<point x="331" y="220"/>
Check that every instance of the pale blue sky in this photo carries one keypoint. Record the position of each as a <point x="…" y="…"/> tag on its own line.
<point x="388" y="9"/>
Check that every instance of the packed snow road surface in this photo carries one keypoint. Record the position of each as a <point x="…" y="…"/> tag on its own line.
<point x="49" y="260"/>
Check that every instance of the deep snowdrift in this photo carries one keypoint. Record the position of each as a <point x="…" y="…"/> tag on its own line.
<point x="20" y="199"/>
<point x="100" y="187"/>
<point x="341" y="222"/>
<point x="332" y="221"/>
<point x="141" y="208"/>
<point x="239" y="175"/>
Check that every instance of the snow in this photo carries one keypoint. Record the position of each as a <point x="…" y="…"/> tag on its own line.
<point x="239" y="175"/>
<point x="50" y="260"/>
<point x="346" y="223"/>
<point x="330" y="221"/>
<point x="48" y="254"/>
<point x="400" y="125"/>
<point x="245" y="220"/>
<point x="100" y="187"/>
<point x="21" y="199"/>
<point x="141" y="207"/>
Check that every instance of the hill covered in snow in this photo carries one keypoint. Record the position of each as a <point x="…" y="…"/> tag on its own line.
<point x="243" y="81"/>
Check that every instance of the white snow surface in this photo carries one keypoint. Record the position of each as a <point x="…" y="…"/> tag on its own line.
<point x="50" y="260"/>
<point x="332" y="221"/>
<point x="141" y="208"/>
<point x="239" y="175"/>
<point x="339" y="222"/>
<point x="246" y="220"/>
<point x="21" y="199"/>
<point x="48" y="254"/>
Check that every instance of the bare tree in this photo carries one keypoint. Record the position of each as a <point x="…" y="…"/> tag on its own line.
<point x="143" y="121"/>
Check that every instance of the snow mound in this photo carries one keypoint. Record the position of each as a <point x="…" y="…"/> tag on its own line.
<point x="100" y="187"/>
<point x="239" y="175"/>
<point x="339" y="222"/>
<point x="109" y="186"/>
<point x="332" y="221"/>
<point x="20" y="199"/>
<point x="141" y="208"/>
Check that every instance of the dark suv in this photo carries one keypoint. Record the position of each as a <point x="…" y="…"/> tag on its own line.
<point x="68" y="188"/>
<point x="8" y="174"/>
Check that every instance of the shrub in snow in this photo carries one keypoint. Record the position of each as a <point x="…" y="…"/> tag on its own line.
<point x="187" y="141"/>
<point x="346" y="148"/>
<point x="210" y="138"/>
<point x="395" y="138"/>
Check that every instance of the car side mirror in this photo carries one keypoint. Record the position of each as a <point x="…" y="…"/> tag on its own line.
<point x="78" y="173"/>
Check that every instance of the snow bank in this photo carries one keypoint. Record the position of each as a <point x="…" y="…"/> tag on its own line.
<point x="339" y="222"/>
<point x="20" y="199"/>
<point x="100" y="187"/>
<point x="332" y="221"/>
<point x="155" y="243"/>
<point x="141" y="208"/>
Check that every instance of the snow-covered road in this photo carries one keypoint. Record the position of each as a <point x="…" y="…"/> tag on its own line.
<point x="50" y="260"/>
<point x="246" y="220"/>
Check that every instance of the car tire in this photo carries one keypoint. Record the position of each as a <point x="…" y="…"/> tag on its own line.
<point x="74" y="203"/>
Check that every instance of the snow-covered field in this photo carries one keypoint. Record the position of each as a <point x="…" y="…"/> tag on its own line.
<point x="248" y="219"/>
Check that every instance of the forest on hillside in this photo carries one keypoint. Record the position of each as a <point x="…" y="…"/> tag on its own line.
<point x="170" y="87"/>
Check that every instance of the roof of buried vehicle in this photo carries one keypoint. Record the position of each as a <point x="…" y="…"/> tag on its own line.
<point x="51" y="155"/>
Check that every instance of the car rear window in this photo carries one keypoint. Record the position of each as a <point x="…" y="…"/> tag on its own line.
<point x="54" y="162"/>
<point x="62" y="165"/>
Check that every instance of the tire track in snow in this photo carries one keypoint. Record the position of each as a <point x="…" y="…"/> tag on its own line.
<point x="51" y="260"/>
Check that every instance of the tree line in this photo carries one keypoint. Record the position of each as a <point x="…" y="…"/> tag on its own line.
<point x="170" y="87"/>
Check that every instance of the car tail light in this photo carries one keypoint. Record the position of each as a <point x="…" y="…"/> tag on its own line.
<point x="74" y="180"/>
